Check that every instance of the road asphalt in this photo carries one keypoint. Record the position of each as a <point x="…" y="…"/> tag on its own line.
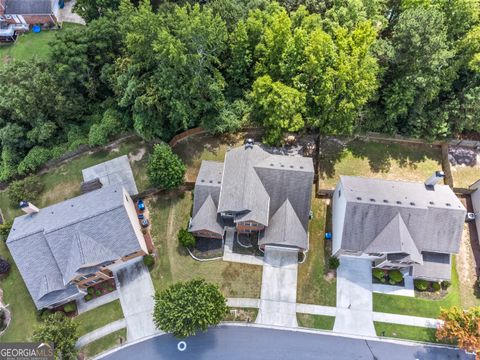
<point x="253" y="343"/>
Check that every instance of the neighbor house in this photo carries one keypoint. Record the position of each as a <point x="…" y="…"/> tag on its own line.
<point x="63" y="249"/>
<point x="31" y="12"/>
<point x="411" y="226"/>
<point x="255" y="192"/>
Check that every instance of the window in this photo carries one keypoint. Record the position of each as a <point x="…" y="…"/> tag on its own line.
<point x="83" y="277"/>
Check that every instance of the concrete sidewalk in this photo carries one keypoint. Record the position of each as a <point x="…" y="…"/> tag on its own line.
<point x="229" y="255"/>
<point x="100" y="332"/>
<point x="83" y="305"/>
<point x="243" y="302"/>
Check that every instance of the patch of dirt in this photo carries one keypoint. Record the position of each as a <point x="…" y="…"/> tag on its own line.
<point x="330" y="276"/>
<point x="115" y="150"/>
<point x="133" y="157"/>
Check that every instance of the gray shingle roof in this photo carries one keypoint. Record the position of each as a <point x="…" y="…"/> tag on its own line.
<point x="262" y="187"/>
<point x="207" y="218"/>
<point x="25" y="7"/>
<point x="435" y="267"/>
<point x="434" y="218"/>
<point x="51" y="246"/>
<point x="113" y="172"/>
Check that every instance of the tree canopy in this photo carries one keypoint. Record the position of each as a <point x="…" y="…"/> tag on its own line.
<point x="185" y="308"/>
<point x="165" y="169"/>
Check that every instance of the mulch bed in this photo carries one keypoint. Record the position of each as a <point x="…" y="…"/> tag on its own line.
<point x="103" y="287"/>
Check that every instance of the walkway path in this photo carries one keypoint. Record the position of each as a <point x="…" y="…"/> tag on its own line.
<point x="354" y="297"/>
<point x="83" y="305"/>
<point x="279" y="287"/>
<point x="229" y="255"/>
<point x="100" y="332"/>
<point x="67" y="15"/>
<point x="136" y="292"/>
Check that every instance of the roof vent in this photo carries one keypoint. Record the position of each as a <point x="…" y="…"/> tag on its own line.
<point x="434" y="180"/>
<point x="301" y="167"/>
<point x="412" y="203"/>
<point x="28" y="208"/>
<point x="281" y="165"/>
<point x="291" y="166"/>
<point x="249" y="143"/>
<point x="448" y="204"/>
<point x="202" y="180"/>
<point x="399" y="202"/>
<point x="211" y="181"/>
<point x="372" y="200"/>
<point x="385" y="201"/>
<point x="271" y="164"/>
<point x="359" y="198"/>
<point x="431" y="203"/>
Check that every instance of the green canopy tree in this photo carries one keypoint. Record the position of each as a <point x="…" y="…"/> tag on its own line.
<point x="93" y="9"/>
<point x="165" y="169"/>
<point x="188" y="307"/>
<point x="60" y="330"/>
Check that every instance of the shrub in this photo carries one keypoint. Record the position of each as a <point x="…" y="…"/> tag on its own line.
<point x="90" y="290"/>
<point x="165" y="169"/>
<point x="27" y="189"/>
<point x="5" y="230"/>
<point x="149" y="261"/>
<point x="88" y="297"/>
<point x="44" y="314"/>
<point x="420" y="284"/>
<point x="333" y="262"/>
<point x="60" y="330"/>
<point x="383" y="280"/>
<point x="110" y="288"/>
<point x="379" y="274"/>
<point x="436" y="286"/>
<point x="392" y="282"/>
<point x="395" y="275"/>
<point x="445" y="284"/>
<point x="4" y="266"/>
<point x="186" y="238"/>
<point x="112" y="123"/>
<point x="98" y="293"/>
<point x="35" y="158"/>
<point x="70" y="307"/>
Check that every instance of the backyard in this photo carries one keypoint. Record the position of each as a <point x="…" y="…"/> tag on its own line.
<point x="357" y="157"/>
<point x="31" y="45"/>
<point x="313" y="284"/>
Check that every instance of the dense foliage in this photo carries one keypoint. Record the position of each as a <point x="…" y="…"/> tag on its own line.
<point x="188" y="307"/>
<point x="60" y="330"/>
<point x="186" y="238"/>
<point x="165" y="169"/>
<point x="27" y="189"/>
<point x="338" y="67"/>
<point x="462" y="327"/>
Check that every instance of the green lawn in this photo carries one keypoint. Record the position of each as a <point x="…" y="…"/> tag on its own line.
<point x="464" y="176"/>
<point x="418" y="306"/>
<point x="312" y="286"/>
<point x="316" y="321"/>
<point x="377" y="160"/>
<point x="99" y="317"/>
<point x="405" y="332"/>
<point x="31" y="45"/>
<point x="107" y="342"/>
<point x="64" y="181"/>
<point x="168" y="214"/>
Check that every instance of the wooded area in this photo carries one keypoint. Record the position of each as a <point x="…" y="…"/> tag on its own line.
<point x="335" y="66"/>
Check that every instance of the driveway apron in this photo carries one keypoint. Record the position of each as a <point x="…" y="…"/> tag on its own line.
<point x="135" y="289"/>
<point x="354" y="297"/>
<point x="279" y="287"/>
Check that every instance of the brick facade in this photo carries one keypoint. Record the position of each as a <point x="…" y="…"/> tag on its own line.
<point x="2" y="7"/>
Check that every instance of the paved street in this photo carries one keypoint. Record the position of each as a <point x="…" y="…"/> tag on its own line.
<point x="354" y="297"/>
<point x="279" y="288"/>
<point x="241" y="343"/>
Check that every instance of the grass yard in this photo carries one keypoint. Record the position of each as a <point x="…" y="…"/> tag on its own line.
<point x="105" y="343"/>
<point x="464" y="176"/>
<point x="168" y="214"/>
<point x="316" y="321"/>
<point x="31" y="46"/>
<point x="418" y="306"/>
<point x="312" y="285"/>
<point x="377" y="160"/>
<point x="98" y="317"/>
<point x="405" y="332"/>
<point x="63" y="182"/>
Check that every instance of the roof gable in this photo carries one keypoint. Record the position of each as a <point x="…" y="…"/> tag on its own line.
<point x="207" y="218"/>
<point x="28" y="7"/>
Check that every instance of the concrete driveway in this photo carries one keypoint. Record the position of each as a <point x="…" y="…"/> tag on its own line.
<point x="135" y="289"/>
<point x="354" y="297"/>
<point x="279" y="287"/>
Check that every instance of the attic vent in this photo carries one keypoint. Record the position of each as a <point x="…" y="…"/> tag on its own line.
<point x="271" y="164"/>
<point x="301" y="167"/>
<point x="71" y="205"/>
<point x="291" y="166"/>
<point x="281" y="165"/>
<point x="385" y="201"/>
<point x="202" y="180"/>
<point x="448" y="204"/>
<point x="399" y="202"/>
<point x="359" y="198"/>
<point x="211" y="181"/>
<point x="372" y="200"/>
<point x="219" y="182"/>
<point x="412" y="203"/>
<point x="431" y="203"/>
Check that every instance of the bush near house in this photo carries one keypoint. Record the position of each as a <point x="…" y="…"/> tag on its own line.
<point x="379" y="274"/>
<point x="395" y="275"/>
<point x="149" y="261"/>
<point x="90" y="290"/>
<point x="5" y="230"/>
<point x="333" y="263"/>
<point x="186" y="238"/>
<point x="27" y="189"/>
<point x="4" y="266"/>
<point x="88" y="297"/>
<point x="420" y="284"/>
<point x="436" y="286"/>
<point x="70" y="307"/>
<point x="445" y="284"/>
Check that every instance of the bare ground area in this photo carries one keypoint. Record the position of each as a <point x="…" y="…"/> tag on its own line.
<point x="468" y="262"/>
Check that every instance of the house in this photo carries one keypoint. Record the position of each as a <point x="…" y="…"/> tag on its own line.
<point x="29" y="12"/>
<point x="411" y="226"/>
<point x="63" y="249"/>
<point x="255" y="192"/>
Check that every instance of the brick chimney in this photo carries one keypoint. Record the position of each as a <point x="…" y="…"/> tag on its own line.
<point x="28" y="208"/>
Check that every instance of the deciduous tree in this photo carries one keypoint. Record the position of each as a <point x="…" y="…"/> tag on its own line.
<point x="165" y="169"/>
<point x="60" y="330"/>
